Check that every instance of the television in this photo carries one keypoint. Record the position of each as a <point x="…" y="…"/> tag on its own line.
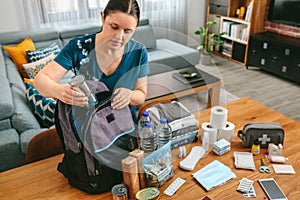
<point x="285" y="12"/>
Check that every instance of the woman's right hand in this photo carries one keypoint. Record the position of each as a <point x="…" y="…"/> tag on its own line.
<point x="69" y="95"/>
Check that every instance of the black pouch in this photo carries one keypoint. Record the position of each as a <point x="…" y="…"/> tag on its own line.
<point x="265" y="132"/>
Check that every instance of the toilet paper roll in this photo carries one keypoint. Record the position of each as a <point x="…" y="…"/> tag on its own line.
<point x="212" y="132"/>
<point x="227" y="132"/>
<point x="218" y="117"/>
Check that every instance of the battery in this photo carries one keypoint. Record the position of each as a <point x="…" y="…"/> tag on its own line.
<point x="119" y="192"/>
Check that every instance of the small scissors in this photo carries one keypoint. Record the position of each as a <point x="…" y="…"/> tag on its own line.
<point x="264" y="168"/>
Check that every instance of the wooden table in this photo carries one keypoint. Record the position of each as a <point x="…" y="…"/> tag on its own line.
<point x="41" y="180"/>
<point x="165" y="87"/>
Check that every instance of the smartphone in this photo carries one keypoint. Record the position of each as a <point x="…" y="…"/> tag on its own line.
<point x="272" y="189"/>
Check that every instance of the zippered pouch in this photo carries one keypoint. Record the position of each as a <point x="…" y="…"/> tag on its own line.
<point x="265" y="132"/>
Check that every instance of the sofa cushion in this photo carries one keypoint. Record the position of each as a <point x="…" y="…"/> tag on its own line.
<point x="34" y="67"/>
<point x="5" y="124"/>
<point x="11" y="155"/>
<point x="6" y="102"/>
<point x="35" y="55"/>
<point x="145" y="35"/>
<point x="26" y="136"/>
<point x="18" y="53"/>
<point x="42" y="107"/>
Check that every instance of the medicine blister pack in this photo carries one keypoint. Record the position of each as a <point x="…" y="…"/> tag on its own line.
<point x="174" y="186"/>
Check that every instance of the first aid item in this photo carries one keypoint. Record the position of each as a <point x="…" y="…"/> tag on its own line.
<point x="222" y="146"/>
<point x="245" y="185"/>
<point x="192" y="159"/>
<point x="213" y="175"/>
<point x="274" y="149"/>
<point x="263" y="168"/>
<point x="255" y="147"/>
<point x="205" y="141"/>
<point x="264" y="132"/>
<point x="148" y="138"/>
<point x="251" y="193"/>
<point x="283" y="169"/>
<point x="244" y="160"/>
<point x="181" y="152"/>
<point x="277" y="159"/>
<point x="174" y="186"/>
<point x="164" y="133"/>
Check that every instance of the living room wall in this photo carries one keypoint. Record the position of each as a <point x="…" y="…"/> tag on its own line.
<point x="292" y="31"/>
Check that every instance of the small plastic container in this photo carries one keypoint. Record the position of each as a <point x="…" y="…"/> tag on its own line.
<point x="256" y="148"/>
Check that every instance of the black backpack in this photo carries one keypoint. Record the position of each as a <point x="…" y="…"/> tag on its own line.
<point x="95" y="140"/>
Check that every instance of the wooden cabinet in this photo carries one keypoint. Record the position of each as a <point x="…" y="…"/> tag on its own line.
<point x="238" y="28"/>
<point x="275" y="53"/>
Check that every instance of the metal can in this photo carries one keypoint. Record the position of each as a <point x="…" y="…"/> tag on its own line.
<point x="150" y="193"/>
<point x="119" y="192"/>
<point x="78" y="83"/>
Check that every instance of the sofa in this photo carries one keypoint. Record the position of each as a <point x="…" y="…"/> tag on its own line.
<point x="18" y="123"/>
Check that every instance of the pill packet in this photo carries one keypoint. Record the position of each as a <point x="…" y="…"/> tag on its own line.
<point x="277" y="159"/>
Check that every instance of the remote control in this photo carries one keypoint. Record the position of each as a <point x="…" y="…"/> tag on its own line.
<point x="174" y="186"/>
<point x="191" y="160"/>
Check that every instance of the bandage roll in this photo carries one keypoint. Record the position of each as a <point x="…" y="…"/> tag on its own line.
<point x="212" y="132"/>
<point x="227" y="132"/>
<point x="218" y="117"/>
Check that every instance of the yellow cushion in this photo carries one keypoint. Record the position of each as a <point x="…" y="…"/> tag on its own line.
<point x="18" y="54"/>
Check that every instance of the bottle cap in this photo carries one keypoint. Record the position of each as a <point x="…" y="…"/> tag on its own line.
<point x="256" y="142"/>
<point x="146" y="114"/>
<point x="148" y="124"/>
<point x="163" y="120"/>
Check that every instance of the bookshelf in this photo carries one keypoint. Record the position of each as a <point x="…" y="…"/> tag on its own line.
<point x="239" y="19"/>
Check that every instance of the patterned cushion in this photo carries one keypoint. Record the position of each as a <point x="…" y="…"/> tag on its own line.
<point x="34" y="67"/>
<point x="42" y="107"/>
<point x="35" y="55"/>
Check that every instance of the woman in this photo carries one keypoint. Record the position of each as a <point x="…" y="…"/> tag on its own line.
<point x="108" y="56"/>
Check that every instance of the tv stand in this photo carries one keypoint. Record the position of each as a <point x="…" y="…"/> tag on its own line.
<point x="275" y="53"/>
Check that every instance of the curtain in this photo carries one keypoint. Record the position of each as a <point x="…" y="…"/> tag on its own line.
<point x="165" y="15"/>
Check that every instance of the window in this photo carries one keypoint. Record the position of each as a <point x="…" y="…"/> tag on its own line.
<point x="57" y="12"/>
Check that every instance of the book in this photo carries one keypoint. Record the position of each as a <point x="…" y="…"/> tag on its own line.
<point x="189" y="76"/>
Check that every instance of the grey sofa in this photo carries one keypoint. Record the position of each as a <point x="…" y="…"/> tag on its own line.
<point x="18" y="124"/>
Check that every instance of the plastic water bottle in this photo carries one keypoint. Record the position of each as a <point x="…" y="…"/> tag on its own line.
<point x="148" y="138"/>
<point x="145" y="118"/>
<point x="164" y="132"/>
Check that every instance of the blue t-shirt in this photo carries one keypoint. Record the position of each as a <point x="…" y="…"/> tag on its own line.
<point x="79" y="54"/>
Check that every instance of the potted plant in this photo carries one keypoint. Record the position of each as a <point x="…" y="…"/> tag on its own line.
<point x="208" y="42"/>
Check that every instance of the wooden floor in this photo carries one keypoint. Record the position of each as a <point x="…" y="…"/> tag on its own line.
<point x="277" y="93"/>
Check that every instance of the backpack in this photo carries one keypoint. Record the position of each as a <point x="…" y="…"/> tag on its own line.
<point x="95" y="140"/>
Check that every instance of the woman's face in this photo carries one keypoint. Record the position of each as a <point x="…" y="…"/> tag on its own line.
<point x="118" y="28"/>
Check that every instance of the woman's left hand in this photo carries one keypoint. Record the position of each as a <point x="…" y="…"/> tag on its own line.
<point x="122" y="98"/>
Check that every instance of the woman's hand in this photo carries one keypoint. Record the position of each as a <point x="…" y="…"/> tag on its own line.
<point x="69" y="95"/>
<point x="122" y="98"/>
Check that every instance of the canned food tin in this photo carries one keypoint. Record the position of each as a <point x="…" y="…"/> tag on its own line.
<point x="150" y="193"/>
<point x="78" y="83"/>
<point x="119" y="192"/>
